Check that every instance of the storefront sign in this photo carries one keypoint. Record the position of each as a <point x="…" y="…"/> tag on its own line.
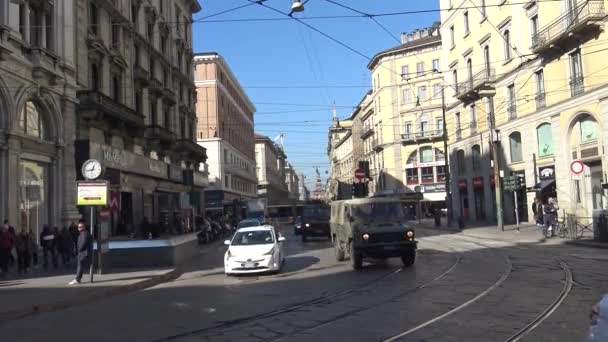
<point x="176" y="173"/>
<point x="429" y="164"/>
<point x="439" y="187"/>
<point x="92" y="193"/>
<point x="478" y="182"/>
<point x="462" y="184"/>
<point x="115" y="158"/>
<point x="114" y="204"/>
<point x="546" y="172"/>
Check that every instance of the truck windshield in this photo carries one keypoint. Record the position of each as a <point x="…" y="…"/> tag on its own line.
<point x="377" y="211"/>
<point x="316" y="213"/>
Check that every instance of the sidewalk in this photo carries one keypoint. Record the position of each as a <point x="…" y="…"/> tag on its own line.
<point x="23" y="297"/>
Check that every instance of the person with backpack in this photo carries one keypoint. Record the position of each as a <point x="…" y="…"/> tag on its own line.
<point x="48" y="240"/>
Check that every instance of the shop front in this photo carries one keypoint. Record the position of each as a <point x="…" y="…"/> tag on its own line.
<point x="478" y="198"/>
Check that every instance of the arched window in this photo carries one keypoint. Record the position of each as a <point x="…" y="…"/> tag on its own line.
<point x="545" y="142"/>
<point x="426" y="154"/>
<point x="588" y="129"/>
<point x="413" y="158"/>
<point x="31" y="122"/>
<point x="515" y="144"/>
<point x="439" y="155"/>
<point x="476" y="153"/>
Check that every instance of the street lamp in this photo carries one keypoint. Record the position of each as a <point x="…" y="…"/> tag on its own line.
<point x="297" y="6"/>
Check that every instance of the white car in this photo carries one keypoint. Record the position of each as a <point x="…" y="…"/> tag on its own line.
<point x="254" y="250"/>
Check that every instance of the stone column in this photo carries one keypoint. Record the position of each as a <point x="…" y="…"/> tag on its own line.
<point x="13" y="178"/>
<point x="68" y="163"/>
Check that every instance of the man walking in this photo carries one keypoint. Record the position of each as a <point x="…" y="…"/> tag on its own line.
<point x="48" y="241"/>
<point x="22" y="244"/>
<point x="7" y="243"/>
<point x="85" y="251"/>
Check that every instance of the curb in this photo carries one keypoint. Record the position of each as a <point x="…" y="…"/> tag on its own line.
<point x="65" y="304"/>
<point x="589" y="244"/>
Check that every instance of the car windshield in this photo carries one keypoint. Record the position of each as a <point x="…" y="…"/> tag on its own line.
<point x="377" y="211"/>
<point x="248" y="223"/>
<point x="256" y="237"/>
<point x="316" y="212"/>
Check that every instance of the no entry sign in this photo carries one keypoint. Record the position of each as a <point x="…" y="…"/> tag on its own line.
<point x="359" y="173"/>
<point x="577" y="167"/>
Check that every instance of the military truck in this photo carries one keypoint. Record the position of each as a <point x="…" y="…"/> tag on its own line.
<point x="371" y="228"/>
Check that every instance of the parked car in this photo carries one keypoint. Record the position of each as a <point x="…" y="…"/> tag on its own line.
<point x="248" y="223"/>
<point x="315" y="221"/>
<point x="254" y="250"/>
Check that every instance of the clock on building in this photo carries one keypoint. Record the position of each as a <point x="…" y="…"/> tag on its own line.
<point x="91" y="169"/>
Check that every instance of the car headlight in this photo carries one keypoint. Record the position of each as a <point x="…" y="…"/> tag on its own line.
<point x="365" y="236"/>
<point x="307" y="225"/>
<point x="410" y="234"/>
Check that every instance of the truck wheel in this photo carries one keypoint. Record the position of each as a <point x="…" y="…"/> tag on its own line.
<point x="356" y="259"/>
<point x="408" y="258"/>
<point x="338" y="251"/>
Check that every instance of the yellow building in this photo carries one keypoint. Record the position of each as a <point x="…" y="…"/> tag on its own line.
<point x="404" y="128"/>
<point x="538" y="70"/>
<point x="342" y="163"/>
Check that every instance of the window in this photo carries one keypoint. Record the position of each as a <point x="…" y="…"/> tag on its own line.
<point x="482" y="7"/>
<point x="476" y="153"/>
<point x="138" y="101"/>
<point x="426" y="154"/>
<point x="116" y="87"/>
<point x="534" y="27"/>
<point x="466" y="23"/>
<point x="167" y="117"/>
<point x="455" y="79"/>
<point x="153" y="112"/>
<point x="30" y="121"/>
<point x="515" y="145"/>
<point x="540" y="88"/>
<point x="226" y="182"/>
<point x="545" y="142"/>
<point x="405" y="72"/>
<point x="419" y="69"/>
<point x="22" y="14"/>
<point x="412" y="176"/>
<point x="452" y="40"/>
<point x="421" y="93"/>
<point x="470" y="73"/>
<point x="424" y="127"/>
<point x="94" y="19"/>
<point x="407" y="96"/>
<point x="588" y="130"/>
<point x="115" y="35"/>
<point x="35" y="26"/>
<point x="472" y="117"/>
<point x="461" y="162"/>
<point x="440" y="125"/>
<point x="437" y="90"/>
<point x="134" y="15"/>
<point x="576" y="73"/>
<point x="511" y="101"/>
<point x="427" y="175"/>
<point x="150" y="32"/>
<point x="49" y="26"/>
<point x="379" y="104"/>
<point x="457" y="119"/>
<point x="137" y="53"/>
<point x="507" y="44"/>
<point x="435" y="65"/>
<point x="94" y="78"/>
<point x="486" y="59"/>
<point x="440" y="173"/>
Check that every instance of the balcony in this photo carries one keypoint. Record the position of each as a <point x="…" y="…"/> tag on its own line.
<point x="366" y="132"/>
<point x="577" y="85"/>
<point x="377" y="145"/>
<point x="421" y="136"/>
<point x="477" y="86"/>
<point x="512" y="110"/>
<point x="113" y="8"/>
<point x="141" y="74"/>
<point x="94" y="104"/>
<point x="540" y="100"/>
<point x="159" y="134"/>
<point x="191" y="150"/>
<point x="44" y="63"/>
<point x="569" y="27"/>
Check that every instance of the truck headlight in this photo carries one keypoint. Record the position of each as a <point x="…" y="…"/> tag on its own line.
<point x="307" y="225"/>
<point x="366" y="236"/>
<point x="409" y="234"/>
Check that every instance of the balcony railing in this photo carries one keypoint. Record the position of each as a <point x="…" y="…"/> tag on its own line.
<point x="512" y="110"/>
<point x="94" y="100"/>
<point x="422" y="135"/>
<point x="159" y="133"/>
<point x="540" y="100"/>
<point x="590" y="12"/>
<point x="191" y="150"/>
<point x="377" y="145"/>
<point x="577" y="85"/>
<point x="469" y="90"/>
<point x="366" y="132"/>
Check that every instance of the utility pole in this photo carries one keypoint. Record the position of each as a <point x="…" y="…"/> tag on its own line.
<point x="495" y="141"/>
<point x="448" y="196"/>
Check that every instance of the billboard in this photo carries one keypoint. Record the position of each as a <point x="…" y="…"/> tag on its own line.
<point x="92" y="193"/>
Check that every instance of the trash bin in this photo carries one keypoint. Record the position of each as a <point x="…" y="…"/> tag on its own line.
<point x="600" y="225"/>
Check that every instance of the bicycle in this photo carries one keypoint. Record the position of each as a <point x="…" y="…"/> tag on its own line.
<point x="561" y="229"/>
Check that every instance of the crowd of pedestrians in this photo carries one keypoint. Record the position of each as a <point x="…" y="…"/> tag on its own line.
<point x="20" y="251"/>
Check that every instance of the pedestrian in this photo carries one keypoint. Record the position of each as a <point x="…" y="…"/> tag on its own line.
<point x="7" y="242"/>
<point x="13" y="253"/>
<point x="74" y="233"/>
<point x="85" y="251"/>
<point x="550" y="214"/>
<point x="33" y="247"/>
<point x="48" y="242"/>
<point x="537" y="209"/>
<point x="22" y="245"/>
<point x="598" y="330"/>
<point x="64" y="246"/>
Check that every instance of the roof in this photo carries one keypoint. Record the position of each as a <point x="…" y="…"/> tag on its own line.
<point x="403" y="48"/>
<point x="256" y="228"/>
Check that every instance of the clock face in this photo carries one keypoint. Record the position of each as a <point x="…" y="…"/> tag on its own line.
<point x="91" y="169"/>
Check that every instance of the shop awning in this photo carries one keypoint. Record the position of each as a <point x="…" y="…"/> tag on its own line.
<point x="434" y="197"/>
<point x="544" y="184"/>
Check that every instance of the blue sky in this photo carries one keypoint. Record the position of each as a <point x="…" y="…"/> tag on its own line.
<point x="293" y="74"/>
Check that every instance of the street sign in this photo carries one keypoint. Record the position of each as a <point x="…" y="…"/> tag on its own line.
<point x="94" y="193"/>
<point x="359" y="173"/>
<point x="577" y="167"/>
<point x="417" y="189"/>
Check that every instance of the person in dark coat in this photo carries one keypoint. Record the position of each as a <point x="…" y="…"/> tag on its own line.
<point x="74" y="233"/>
<point x="22" y="244"/>
<point x="12" y="255"/>
<point x="33" y="247"/>
<point x="7" y="242"/>
<point x="64" y="246"/>
<point x="85" y="252"/>
<point x="48" y="240"/>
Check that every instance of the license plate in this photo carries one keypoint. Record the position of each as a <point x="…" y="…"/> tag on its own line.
<point x="249" y="265"/>
<point x="390" y="248"/>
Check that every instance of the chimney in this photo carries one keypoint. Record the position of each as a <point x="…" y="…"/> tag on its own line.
<point x="403" y="38"/>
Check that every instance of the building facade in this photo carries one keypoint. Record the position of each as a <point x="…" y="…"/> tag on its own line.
<point x="304" y="192"/>
<point x="136" y="108"/>
<point x="38" y="72"/>
<point x="403" y="121"/>
<point x="532" y="79"/>
<point x="225" y="129"/>
<point x="293" y="183"/>
<point x="342" y="162"/>
<point x="270" y="165"/>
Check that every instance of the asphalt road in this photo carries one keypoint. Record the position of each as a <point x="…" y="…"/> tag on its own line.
<point x="460" y="289"/>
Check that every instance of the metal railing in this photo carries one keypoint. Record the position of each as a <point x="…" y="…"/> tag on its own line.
<point x="427" y="134"/>
<point x="577" y="85"/>
<point x="366" y="131"/>
<point x="572" y="20"/>
<point x="512" y="110"/>
<point x="486" y="75"/>
<point x="540" y="100"/>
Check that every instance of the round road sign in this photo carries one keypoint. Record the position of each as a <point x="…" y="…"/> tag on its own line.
<point x="359" y="173"/>
<point x="417" y="189"/>
<point x="577" y="167"/>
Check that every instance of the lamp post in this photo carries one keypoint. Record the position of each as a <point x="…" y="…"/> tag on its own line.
<point x="495" y="142"/>
<point x="448" y="196"/>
